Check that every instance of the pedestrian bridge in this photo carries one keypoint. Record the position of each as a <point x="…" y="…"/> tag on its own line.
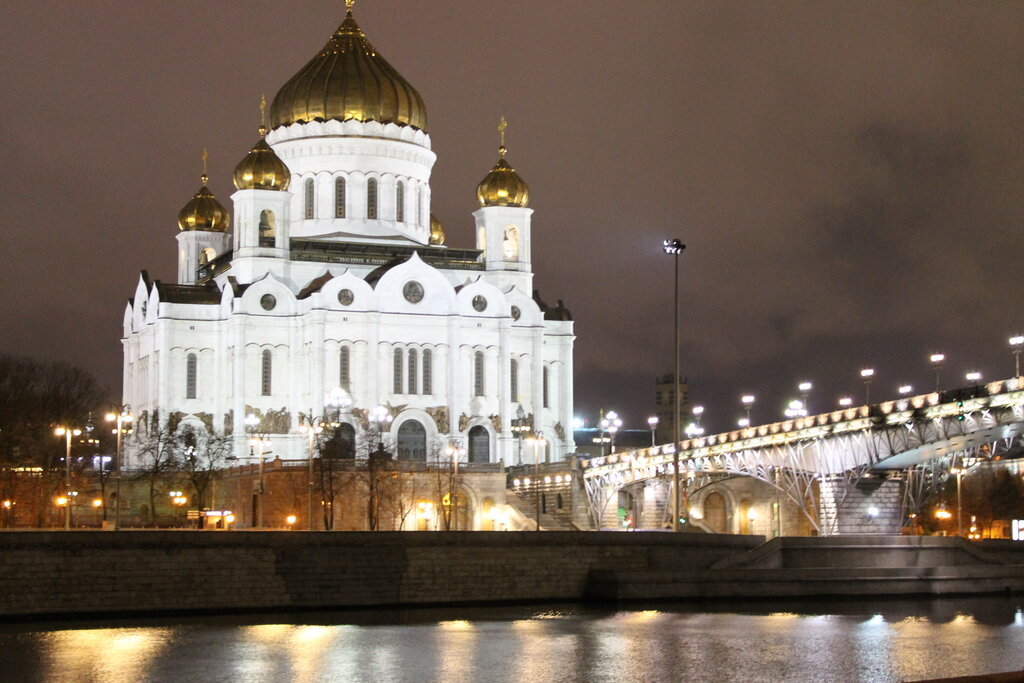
<point x="816" y="461"/>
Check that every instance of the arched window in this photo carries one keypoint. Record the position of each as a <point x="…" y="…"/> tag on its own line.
<point x="479" y="445"/>
<point x="266" y="370"/>
<point x="478" y="373"/>
<point x="345" y="368"/>
<point x="268" y="224"/>
<point x="412" y="441"/>
<point x="191" y="368"/>
<point x="412" y="375"/>
<point x="310" y="196"/>
<point x="371" y="198"/>
<point x="544" y="389"/>
<point x="428" y="372"/>
<point x="339" y="198"/>
<point x="397" y="372"/>
<point x="400" y="202"/>
<point x="513" y="380"/>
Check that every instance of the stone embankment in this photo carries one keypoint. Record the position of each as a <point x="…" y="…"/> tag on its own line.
<point x="166" y="572"/>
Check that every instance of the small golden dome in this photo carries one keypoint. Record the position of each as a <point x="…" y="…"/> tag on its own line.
<point x="436" y="231"/>
<point x="204" y="212"/>
<point x="262" y="169"/>
<point x="348" y="79"/>
<point x="503" y="186"/>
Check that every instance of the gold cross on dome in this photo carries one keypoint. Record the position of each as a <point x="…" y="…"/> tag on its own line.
<point x="502" y="126"/>
<point x="204" y="161"/>
<point x="349" y="4"/>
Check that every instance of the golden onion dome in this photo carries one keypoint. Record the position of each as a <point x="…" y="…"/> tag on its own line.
<point x="262" y="169"/>
<point x="348" y="80"/>
<point x="436" y="231"/>
<point x="204" y="212"/>
<point x="503" y="186"/>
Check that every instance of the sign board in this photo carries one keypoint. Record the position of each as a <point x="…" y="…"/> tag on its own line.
<point x="194" y="514"/>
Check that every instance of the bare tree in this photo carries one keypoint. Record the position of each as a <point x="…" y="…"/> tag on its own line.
<point x="199" y="454"/>
<point x="157" y="453"/>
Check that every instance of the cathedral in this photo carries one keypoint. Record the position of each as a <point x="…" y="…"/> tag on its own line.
<point x="329" y="290"/>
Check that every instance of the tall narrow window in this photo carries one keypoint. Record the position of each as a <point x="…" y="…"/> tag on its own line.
<point x="411" y="374"/>
<point x="345" y="365"/>
<point x="371" y="198"/>
<point x="309" y="196"/>
<point x="339" y="198"/>
<point x="545" y="387"/>
<point x="478" y="373"/>
<point x="428" y="361"/>
<point x="513" y="378"/>
<point x="266" y="370"/>
<point x="400" y="202"/>
<point x="190" y="375"/>
<point x="419" y="207"/>
<point x="397" y="371"/>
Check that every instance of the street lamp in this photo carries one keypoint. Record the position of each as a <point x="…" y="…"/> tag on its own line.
<point x="796" y="409"/>
<point x="744" y="422"/>
<point x="455" y="452"/>
<point x="120" y="418"/>
<point x="258" y="440"/>
<point x="697" y="412"/>
<point x="519" y="429"/>
<point x="748" y="403"/>
<point x="674" y="248"/>
<point x="310" y="430"/>
<point x="905" y="389"/>
<point x="610" y="423"/>
<point x="1016" y="343"/>
<point x="866" y="374"/>
<point x="67" y="433"/>
<point x="959" y="472"/>
<point x="652" y="422"/>
<point x="845" y="402"/>
<point x="936" y="360"/>
<point x="537" y="442"/>
<point x="973" y="376"/>
<point x="805" y="391"/>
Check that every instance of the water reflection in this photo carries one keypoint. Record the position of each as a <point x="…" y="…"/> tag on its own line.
<point x="835" y="640"/>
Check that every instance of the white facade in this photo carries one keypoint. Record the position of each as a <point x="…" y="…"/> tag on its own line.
<point x="340" y="289"/>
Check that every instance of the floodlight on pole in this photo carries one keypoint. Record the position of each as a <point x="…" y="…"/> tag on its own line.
<point x="675" y="247"/>
<point x="1016" y="343"/>
<point x="937" y="360"/>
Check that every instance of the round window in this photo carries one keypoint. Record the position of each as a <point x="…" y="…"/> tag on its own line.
<point x="268" y="301"/>
<point x="516" y="313"/>
<point x="413" y="292"/>
<point x="346" y="297"/>
<point x="479" y="304"/>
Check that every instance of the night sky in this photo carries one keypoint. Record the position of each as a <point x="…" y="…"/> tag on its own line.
<point x="846" y="176"/>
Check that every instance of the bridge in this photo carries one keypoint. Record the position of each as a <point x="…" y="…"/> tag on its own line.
<point x="854" y="470"/>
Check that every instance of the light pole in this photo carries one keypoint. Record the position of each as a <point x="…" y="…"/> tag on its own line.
<point x="610" y="423"/>
<point x="936" y="360"/>
<point x="795" y="409"/>
<point x="674" y="248"/>
<point x="125" y="415"/>
<point x="456" y="453"/>
<point x="259" y="440"/>
<point x="959" y="471"/>
<point x="519" y="428"/>
<point x="748" y="403"/>
<point x="67" y="433"/>
<point x="537" y="442"/>
<point x="845" y="402"/>
<point x="866" y="374"/>
<point x="905" y="389"/>
<point x="652" y="422"/>
<point x="973" y="376"/>
<point x="805" y="392"/>
<point x="311" y="431"/>
<point x="1016" y="343"/>
<point x="697" y="412"/>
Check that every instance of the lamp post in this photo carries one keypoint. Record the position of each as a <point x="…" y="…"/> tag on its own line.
<point x="1016" y="343"/>
<point x="455" y="453"/>
<point x="652" y="422"/>
<point x="674" y="248"/>
<point x="748" y="403"/>
<point x="973" y="376"/>
<point x="905" y="389"/>
<point x="936" y="360"/>
<point x="795" y="409"/>
<point x="258" y="440"/>
<point x="959" y="471"/>
<point x="805" y="392"/>
<point x="845" y="402"/>
<point x="866" y="374"/>
<point x="67" y="433"/>
<point x="610" y="423"/>
<point x="125" y="415"/>
<point x="519" y="428"/>
<point x="310" y="430"/>
<point x="537" y="442"/>
<point x="697" y="411"/>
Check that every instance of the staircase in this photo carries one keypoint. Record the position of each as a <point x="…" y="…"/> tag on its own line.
<point x="527" y="510"/>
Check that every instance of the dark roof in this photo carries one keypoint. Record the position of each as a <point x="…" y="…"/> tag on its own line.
<point x="188" y="294"/>
<point x="315" y="285"/>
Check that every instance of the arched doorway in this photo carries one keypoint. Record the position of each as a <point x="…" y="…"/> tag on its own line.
<point x="479" y="444"/>
<point x="412" y="441"/>
<point x="715" y="515"/>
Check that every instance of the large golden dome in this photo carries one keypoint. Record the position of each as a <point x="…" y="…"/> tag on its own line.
<point x="204" y="212"/>
<point x="262" y="169"/>
<point x="503" y="186"/>
<point x="348" y="79"/>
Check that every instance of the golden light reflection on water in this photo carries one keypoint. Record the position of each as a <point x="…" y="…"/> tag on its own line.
<point x="108" y="654"/>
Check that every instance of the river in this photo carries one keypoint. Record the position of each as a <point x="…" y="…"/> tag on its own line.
<point x="835" y="640"/>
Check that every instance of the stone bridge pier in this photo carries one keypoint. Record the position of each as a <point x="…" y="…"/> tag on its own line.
<point x="871" y="505"/>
